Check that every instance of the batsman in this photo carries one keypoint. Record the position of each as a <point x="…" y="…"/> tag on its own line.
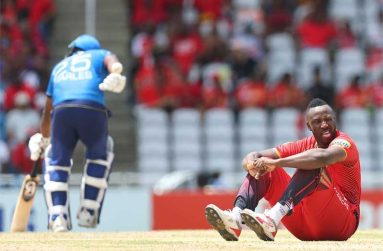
<point x="75" y="110"/>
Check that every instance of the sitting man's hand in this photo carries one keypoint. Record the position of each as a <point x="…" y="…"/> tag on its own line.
<point x="262" y="166"/>
<point x="249" y="159"/>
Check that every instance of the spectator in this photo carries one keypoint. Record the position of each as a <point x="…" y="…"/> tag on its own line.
<point x="245" y="14"/>
<point x="319" y="89"/>
<point x="316" y="30"/>
<point x="374" y="62"/>
<point x="249" y="42"/>
<point x="215" y="96"/>
<point x="172" y="87"/>
<point x="193" y="89"/>
<point x="145" y="83"/>
<point x="215" y="48"/>
<point x="36" y="74"/>
<point x="345" y="35"/>
<point x="13" y="88"/>
<point x="193" y="95"/>
<point x="252" y="92"/>
<point x="375" y="93"/>
<point x="21" y="120"/>
<point x="286" y="93"/>
<point x="278" y="17"/>
<point x="375" y="32"/>
<point x="186" y="44"/>
<point x="40" y="16"/>
<point x="352" y="96"/>
<point x="242" y="64"/>
<point x="8" y="12"/>
<point x="11" y="35"/>
<point x="160" y="86"/>
<point x="20" y="158"/>
<point x="211" y="9"/>
<point x="147" y="11"/>
<point x="142" y="46"/>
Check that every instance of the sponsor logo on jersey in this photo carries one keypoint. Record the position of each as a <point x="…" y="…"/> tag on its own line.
<point x="341" y="142"/>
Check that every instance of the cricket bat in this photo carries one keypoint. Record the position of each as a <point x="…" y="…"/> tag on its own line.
<point x="25" y="200"/>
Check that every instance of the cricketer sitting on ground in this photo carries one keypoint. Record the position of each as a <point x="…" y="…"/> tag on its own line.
<point x="75" y="110"/>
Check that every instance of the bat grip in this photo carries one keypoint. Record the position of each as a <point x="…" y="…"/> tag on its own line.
<point x="34" y="169"/>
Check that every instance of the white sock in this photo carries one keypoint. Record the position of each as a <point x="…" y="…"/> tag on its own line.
<point x="237" y="211"/>
<point x="277" y="212"/>
<point x="237" y="215"/>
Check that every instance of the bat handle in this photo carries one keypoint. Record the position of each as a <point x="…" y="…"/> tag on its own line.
<point x="34" y="169"/>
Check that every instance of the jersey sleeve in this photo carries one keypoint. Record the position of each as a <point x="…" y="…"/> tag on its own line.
<point x="49" y="91"/>
<point x="98" y="61"/>
<point x="295" y="147"/>
<point x="348" y="147"/>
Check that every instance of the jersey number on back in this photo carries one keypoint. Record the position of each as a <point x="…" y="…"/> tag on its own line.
<point x="74" y="68"/>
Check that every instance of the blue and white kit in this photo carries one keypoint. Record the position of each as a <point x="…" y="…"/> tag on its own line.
<point x="79" y="114"/>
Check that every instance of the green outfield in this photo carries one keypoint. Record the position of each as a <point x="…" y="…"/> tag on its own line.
<point x="177" y="240"/>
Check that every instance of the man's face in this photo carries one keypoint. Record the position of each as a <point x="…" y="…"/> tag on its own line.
<point x="321" y="122"/>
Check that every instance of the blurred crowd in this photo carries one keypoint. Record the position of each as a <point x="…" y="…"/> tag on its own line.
<point x="204" y="54"/>
<point x="25" y="30"/>
<point x="201" y="54"/>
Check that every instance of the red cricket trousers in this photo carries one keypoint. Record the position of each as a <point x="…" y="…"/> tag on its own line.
<point x="321" y="215"/>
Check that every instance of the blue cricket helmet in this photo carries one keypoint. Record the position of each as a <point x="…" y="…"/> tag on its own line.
<point x="85" y="42"/>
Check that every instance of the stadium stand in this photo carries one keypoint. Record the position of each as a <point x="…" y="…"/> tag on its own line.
<point x="357" y="123"/>
<point x="256" y="40"/>
<point x="219" y="144"/>
<point x="186" y="139"/>
<point x="308" y="59"/>
<point x="153" y="139"/>
<point x="348" y="63"/>
<point x="252" y="130"/>
<point x="226" y="44"/>
<point x="281" y="55"/>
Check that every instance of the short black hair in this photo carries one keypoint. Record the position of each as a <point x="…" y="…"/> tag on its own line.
<point x="72" y="51"/>
<point x="316" y="102"/>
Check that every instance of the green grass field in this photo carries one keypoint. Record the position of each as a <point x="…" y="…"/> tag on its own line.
<point x="178" y="240"/>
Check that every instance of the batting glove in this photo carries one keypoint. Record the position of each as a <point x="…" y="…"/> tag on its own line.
<point x="114" y="82"/>
<point x="117" y="67"/>
<point x="37" y="144"/>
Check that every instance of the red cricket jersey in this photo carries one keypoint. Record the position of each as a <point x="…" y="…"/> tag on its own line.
<point x="345" y="174"/>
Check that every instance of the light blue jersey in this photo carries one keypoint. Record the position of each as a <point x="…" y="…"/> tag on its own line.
<point x="77" y="77"/>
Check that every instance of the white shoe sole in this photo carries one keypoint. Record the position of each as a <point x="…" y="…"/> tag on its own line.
<point x="87" y="225"/>
<point x="59" y="225"/>
<point x="86" y="220"/>
<point x="214" y="219"/>
<point x="254" y="225"/>
<point x="60" y="230"/>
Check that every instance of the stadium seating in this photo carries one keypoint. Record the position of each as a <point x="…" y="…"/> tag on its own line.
<point x="279" y="42"/>
<point x="348" y="63"/>
<point x="356" y="122"/>
<point x="281" y="55"/>
<point x="284" y="125"/>
<point x="308" y="59"/>
<point x="186" y="139"/>
<point x="252" y="130"/>
<point x="378" y="140"/>
<point x="347" y="9"/>
<point x="213" y="141"/>
<point x="219" y="135"/>
<point x="352" y="116"/>
<point x="152" y="140"/>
